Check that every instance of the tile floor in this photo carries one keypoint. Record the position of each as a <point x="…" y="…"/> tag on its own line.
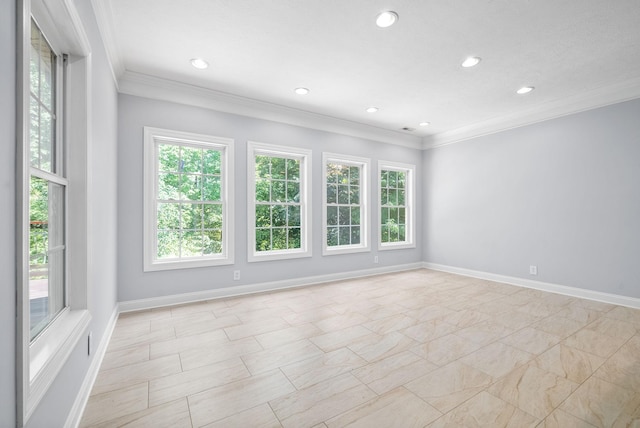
<point x="413" y="349"/>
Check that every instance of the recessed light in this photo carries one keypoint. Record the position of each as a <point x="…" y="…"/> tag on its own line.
<point x="386" y="19"/>
<point x="525" y="90"/>
<point x="425" y="123"/>
<point x="199" y="63"/>
<point x="471" y="61"/>
<point x="301" y="91"/>
<point x="372" y="109"/>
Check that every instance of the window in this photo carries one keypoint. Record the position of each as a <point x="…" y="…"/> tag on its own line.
<point x="279" y="215"/>
<point x="397" y="196"/>
<point x="188" y="200"/>
<point x="345" y="196"/>
<point x="52" y="176"/>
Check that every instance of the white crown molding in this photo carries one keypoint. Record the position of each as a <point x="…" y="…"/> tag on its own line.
<point x="220" y="293"/>
<point x="104" y="16"/>
<point x="598" y="296"/>
<point x="147" y="86"/>
<point x="596" y="98"/>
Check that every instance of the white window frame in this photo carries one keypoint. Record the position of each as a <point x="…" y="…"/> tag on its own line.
<point x="152" y="138"/>
<point x="304" y="155"/>
<point x="365" y="216"/>
<point x="410" y="204"/>
<point x="38" y="362"/>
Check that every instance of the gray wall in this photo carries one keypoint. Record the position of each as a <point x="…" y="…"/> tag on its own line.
<point x="562" y="194"/>
<point x="55" y="406"/>
<point x="135" y="113"/>
<point x="7" y="225"/>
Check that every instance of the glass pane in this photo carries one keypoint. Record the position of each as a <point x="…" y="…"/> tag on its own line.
<point x="46" y="141"/>
<point x="212" y="162"/>
<point x="46" y="253"/>
<point x="34" y="132"/>
<point x="168" y="244"/>
<point x="293" y="169"/>
<point x="278" y="168"/>
<point x="263" y="215"/>
<point x="401" y="233"/>
<point x="355" y="215"/>
<point x="278" y="193"/>
<point x="332" y="216"/>
<point x="191" y="244"/>
<point x="279" y="238"/>
<point x="191" y="187"/>
<point x="393" y="197"/>
<point x="191" y="160"/>
<point x="293" y="191"/>
<point x="401" y="197"/>
<point x="402" y="178"/>
<point x="393" y="179"/>
<point x="168" y="158"/>
<point x="354" y="195"/>
<point x="354" y="175"/>
<point x="191" y="216"/>
<point x="384" y="234"/>
<point x="263" y="167"/>
<point x="344" y="235"/>
<point x="169" y="186"/>
<point x="332" y="173"/>
<point x="294" y="237"/>
<point x="212" y="242"/>
<point x="343" y="194"/>
<point x="211" y="188"/>
<point x="263" y="239"/>
<point x="262" y="190"/>
<point x="384" y="196"/>
<point x="343" y="177"/>
<point x="384" y="178"/>
<point x="401" y="216"/>
<point x="212" y="216"/>
<point x="34" y="66"/>
<point x="47" y="64"/>
<point x="168" y="216"/>
<point x="393" y="233"/>
<point x="332" y="236"/>
<point x="293" y="218"/>
<point x="355" y="235"/>
<point x="278" y="215"/>
<point x="332" y="192"/>
<point x="393" y="215"/>
<point x="384" y="217"/>
<point x="344" y="215"/>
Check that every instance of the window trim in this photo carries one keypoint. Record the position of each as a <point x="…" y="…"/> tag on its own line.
<point x="365" y="212"/>
<point x="38" y="362"/>
<point x="152" y="136"/>
<point x="410" y="203"/>
<point x="305" y="250"/>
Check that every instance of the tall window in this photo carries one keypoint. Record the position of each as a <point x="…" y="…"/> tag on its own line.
<point x="278" y="212"/>
<point x="345" y="196"/>
<point x="47" y="186"/>
<point x="187" y="204"/>
<point x="397" y="196"/>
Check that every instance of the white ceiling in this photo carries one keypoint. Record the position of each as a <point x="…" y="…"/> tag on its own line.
<point x="578" y="54"/>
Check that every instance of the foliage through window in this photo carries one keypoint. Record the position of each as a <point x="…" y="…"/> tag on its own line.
<point x="278" y="202"/>
<point x="188" y="209"/>
<point x="396" y="210"/>
<point x="345" y="198"/>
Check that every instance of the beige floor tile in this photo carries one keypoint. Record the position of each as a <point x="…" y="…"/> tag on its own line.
<point x="258" y="417"/>
<point x="169" y="388"/>
<point x="218" y="351"/>
<point x="387" y="325"/>
<point x="313" y="370"/>
<point x="396" y="370"/>
<point x="182" y="319"/>
<point x="429" y="330"/>
<point x="192" y="308"/>
<point x="449" y="386"/>
<point x="279" y="356"/>
<point x="594" y="342"/>
<point x="235" y="397"/>
<point x="533" y="390"/>
<point x="152" y="314"/>
<point x="497" y="359"/>
<point x="287" y="335"/>
<point x="485" y="332"/>
<point x="132" y="374"/>
<point x="538" y="308"/>
<point x="374" y="348"/>
<point x="599" y="402"/>
<point x="340" y="322"/>
<point x="614" y="328"/>
<point x="625" y="314"/>
<point x="596" y="306"/>
<point x="514" y="319"/>
<point x="428" y="313"/>
<point x="464" y="318"/>
<point x="255" y="328"/>
<point x="562" y="419"/>
<point x="321" y="401"/>
<point x="338" y="339"/>
<point x="138" y="339"/>
<point x="570" y="363"/>
<point x="485" y="410"/>
<point x="190" y="329"/>
<point x="170" y="415"/>
<point x="445" y="349"/>
<point x="125" y="356"/>
<point x="559" y="326"/>
<point x="531" y="340"/>
<point x="174" y="346"/>
<point x="397" y="408"/>
<point x="623" y="368"/>
<point x="112" y="405"/>
<point x="580" y="314"/>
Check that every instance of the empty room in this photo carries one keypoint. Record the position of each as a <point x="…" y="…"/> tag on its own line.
<point x="304" y="213"/>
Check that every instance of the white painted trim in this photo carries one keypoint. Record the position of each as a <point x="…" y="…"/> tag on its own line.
<point x="220" y="293"/>
<point x="157" y="88"/>
<point x="596" y="98"/>
<point x="77" y="410"/>
<point x="598" y="296"/>
<point x="103" y="11"/>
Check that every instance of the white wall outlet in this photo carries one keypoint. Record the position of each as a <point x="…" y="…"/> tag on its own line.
<point x="375" y="259"/>
<point x="533" y="270"/>
<point x="236" y="275"/>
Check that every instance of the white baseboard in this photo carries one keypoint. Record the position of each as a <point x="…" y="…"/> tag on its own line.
<point x="156" y="302"/>
<point x="615" y="299"/>
<point x="75" y="414"/>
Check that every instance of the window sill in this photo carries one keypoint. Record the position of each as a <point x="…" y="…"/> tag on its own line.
<point x="344" y="249"/>
<point x="277" y="255"/>
<point x="186" y="264"/>
<point x="395" y="246"/>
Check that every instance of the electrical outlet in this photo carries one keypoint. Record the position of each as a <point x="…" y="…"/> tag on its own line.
<point x="236" y="275"/>
<point x="533" y="270"/>
<point x="375" y="259"/>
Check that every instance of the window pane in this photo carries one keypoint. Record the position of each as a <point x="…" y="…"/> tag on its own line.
<point x="384" y="196"/>
<point x="293" y="218"/>
<point x="401" y="198"/>
<point x="332" y="193"/>
<point x="262" y="190"/>
<point x="169" y="186"/>
<point x="263" y="239"/>
<point x="191" y="216"/>
<point x="168" y="158"/>
<point x="263" y="215"/>
<point x="168" y="216"/>
<point x="354" y="175"/>
<point x="344" y="235"/>
<point x="279" y="238"/>
<point x="293" y="191"/>
<point x="355" y="235"/>
<point x="332" y="236"/>
<point x="278" y="215"/>
<point x="332" y="173"/>
<point x="345" y="215"/>
<point x="211" y="188"/>
<point x="393" y="197"/>
<point x="332" y="216"/>
<point x="191" y="244"/>
<point x="343" y="194"/>
<point x="278" y="168"/>
<point x="278" y="193"/>
<point x="168" y="244"/>
<point x="34" y="132"/>
<point x="212" y="162"/>
<point x="294" y="237"/>
<point x="293" y="169"/>
<point x="263" y="167"/>
<point x="191" y="160"/>
<point x="355" y="215"/>
<point x="191" y="187"/>
<point x="212" y="242"/>
<point x="212" y="216"/>
<point x="354" y="195"/>
<point x="402" y="178"/>
<point x="393" y="179"/>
